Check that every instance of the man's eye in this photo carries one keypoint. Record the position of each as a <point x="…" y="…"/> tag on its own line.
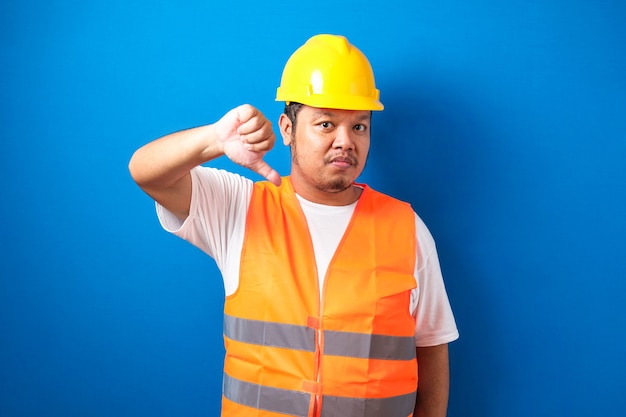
<point x="325" y="125"/>
<point x="359" y="127"/>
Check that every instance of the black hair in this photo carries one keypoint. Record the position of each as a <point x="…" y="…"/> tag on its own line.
<point x="291" y="111"/>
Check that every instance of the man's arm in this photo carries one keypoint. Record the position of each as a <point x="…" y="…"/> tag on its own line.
<point x="434" y="381"/>
<point x="161" y="168"/>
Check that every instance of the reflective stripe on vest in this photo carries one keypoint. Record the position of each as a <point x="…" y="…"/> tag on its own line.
<point x="266" y="398"/>
<point x="296" y="403"/>
<point x="269" y="334"/>
<point x="357" y="345"/>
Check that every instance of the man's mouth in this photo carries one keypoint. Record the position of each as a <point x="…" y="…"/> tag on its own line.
<point x="343" y="161"/>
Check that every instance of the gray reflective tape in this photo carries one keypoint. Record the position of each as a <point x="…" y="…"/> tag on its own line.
<point x="375" y="346"/>
<point x="266" y="333"/>
<point x="290" y="336"/>
<point x="400" y="406"/>
<point x="276" y="400"/>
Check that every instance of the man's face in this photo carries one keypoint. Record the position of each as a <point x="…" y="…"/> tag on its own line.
<point x="329" y="147"/>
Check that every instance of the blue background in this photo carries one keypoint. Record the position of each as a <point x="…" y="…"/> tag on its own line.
<point x="505" y="127"/>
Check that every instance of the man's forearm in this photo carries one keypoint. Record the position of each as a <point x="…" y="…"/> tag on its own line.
<point x="164" y="161"/>
<point x="433" y="383"/>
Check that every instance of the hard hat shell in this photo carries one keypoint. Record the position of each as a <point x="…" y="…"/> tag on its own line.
<point x="329" y="72"/>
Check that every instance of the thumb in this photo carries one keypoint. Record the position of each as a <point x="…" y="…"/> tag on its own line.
<point x="262" y="168"/>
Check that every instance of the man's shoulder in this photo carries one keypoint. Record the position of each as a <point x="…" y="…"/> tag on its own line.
<point x="206" y="174"/>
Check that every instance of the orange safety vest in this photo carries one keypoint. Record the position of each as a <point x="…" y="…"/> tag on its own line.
<point x="350" y="352"/>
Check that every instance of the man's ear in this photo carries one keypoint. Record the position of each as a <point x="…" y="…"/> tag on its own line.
<point x="286" y="127"/>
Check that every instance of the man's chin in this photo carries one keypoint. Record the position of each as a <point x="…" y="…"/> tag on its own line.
<point x="335" y="186"/>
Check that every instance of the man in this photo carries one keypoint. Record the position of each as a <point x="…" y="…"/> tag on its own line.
<point x="333" y="291"/>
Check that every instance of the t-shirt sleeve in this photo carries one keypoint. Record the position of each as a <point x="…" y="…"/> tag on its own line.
<point x="218" y="199"/>
<point x="434" y="320"/>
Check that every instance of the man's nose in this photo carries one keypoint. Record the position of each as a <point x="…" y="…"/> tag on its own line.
<point x="343" y="139"/>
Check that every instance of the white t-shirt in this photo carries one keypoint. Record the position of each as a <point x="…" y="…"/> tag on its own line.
<point x="216" y="225"/>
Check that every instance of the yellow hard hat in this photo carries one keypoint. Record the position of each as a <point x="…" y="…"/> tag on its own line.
<point x="329" y="72"/>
